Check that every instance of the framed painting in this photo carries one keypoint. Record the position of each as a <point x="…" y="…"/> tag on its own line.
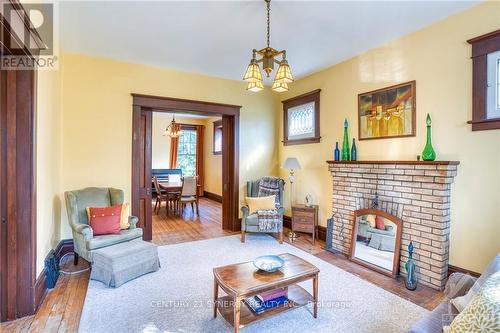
<point x="388" y="112"/>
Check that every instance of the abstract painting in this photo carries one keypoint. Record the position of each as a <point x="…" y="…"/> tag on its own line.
<point x="388" y="112"/>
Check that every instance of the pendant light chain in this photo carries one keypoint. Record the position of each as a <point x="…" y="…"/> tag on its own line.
<point x="268" y="21"/>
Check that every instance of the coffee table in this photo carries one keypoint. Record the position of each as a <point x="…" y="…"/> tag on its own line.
<point x="243" y="280"/>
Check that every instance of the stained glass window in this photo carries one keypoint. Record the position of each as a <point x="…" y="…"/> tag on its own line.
<point x="301" y="121"/>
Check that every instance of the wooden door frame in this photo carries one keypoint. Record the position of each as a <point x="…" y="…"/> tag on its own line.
<point x="20" y="292"/>
<point x="230" y="146"/>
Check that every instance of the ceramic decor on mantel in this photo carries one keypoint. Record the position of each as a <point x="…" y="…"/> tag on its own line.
<point x="428" y="154"/>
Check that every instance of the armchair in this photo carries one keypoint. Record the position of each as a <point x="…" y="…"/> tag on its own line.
<point x="250" y="222"/>
<point x="83" y="238"/>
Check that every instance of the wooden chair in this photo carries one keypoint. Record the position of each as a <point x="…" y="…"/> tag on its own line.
<point x="190" y="193"/>
<point x="160" y="196"/>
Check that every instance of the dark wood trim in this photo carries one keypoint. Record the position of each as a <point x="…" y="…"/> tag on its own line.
<point x="40" y="289"/>
<point x="184" y="105"/>
<point x="212" y="196"/>
<point x="481" y="47"/>
<point x="230" y="146"/>
<point x="312" y="96"/>
<point x="413" y="85"/>
<point x="455" y="269"/>
<point x="217" y="127"/>
<point x="399" y="225"/>
<point x="63" y="247"/>
<point x="397" y="162"/>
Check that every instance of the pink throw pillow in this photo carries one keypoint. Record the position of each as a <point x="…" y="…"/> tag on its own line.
<point x="105" y="220"/>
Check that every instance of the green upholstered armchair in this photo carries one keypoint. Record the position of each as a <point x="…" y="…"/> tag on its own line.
<point x="250" y="222"/>
<point x="83" y="239"/>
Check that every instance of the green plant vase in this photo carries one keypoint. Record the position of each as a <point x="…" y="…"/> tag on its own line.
<point x="345" y="143"/>
<point x="428" y="154"/>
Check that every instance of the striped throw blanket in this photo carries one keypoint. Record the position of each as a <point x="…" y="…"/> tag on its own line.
<point x="270" y="186"/>
<point x="269" y="220"/>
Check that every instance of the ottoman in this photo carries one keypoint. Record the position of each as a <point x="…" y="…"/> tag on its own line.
<point x="117" y="264"/>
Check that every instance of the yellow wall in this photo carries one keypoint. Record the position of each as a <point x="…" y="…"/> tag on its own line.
<point x="48" y="172"/>
<point x="213" y="163"/>
<point x="438" y="58"/>
<point x="97" y="121"/>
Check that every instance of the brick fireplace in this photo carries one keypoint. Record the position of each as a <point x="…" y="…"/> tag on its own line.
<point x="421" y="191"/>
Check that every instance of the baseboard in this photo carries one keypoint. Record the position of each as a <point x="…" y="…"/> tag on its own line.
<point x="454" y="269"/>
<point x="212" y="196"/>
<point x="40" y="289"/>
<point x="287" y="223"/>
<point x="64" y="246"/>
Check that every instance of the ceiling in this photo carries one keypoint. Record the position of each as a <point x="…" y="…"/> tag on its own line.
<point x="216" y="38"/>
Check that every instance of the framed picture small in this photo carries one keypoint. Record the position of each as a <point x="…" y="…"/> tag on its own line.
<point x="388" y="112"/>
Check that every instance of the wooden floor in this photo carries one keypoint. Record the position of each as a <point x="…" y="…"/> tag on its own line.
<point x="174" y="228"/>
<point x="62" y="307"/>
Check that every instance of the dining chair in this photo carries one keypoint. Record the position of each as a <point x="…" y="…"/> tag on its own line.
<point x="160" y="196"/>
<point x="190" y="193"/>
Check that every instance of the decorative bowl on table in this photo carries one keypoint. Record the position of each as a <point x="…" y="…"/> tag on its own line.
<point x="268" y="263"/>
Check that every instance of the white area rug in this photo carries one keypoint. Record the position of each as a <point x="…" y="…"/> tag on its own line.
<point x="178" y="297"/>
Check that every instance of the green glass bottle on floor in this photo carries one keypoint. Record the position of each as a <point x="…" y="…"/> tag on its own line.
<point x="345" y="144"/>
<point x="428" y="154"/>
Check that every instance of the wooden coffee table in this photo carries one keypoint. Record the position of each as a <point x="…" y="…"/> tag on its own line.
<point x="243" y="280"/>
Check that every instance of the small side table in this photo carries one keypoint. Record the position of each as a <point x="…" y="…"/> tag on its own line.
<point x="305" y="219"/>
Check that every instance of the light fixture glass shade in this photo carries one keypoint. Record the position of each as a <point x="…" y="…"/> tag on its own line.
<point x="291" y="163"/>
<point x="279" y="86"/>
<point x="255" y="86"/>
<point x="253" y="72"/>
<point x="284" y="74"/>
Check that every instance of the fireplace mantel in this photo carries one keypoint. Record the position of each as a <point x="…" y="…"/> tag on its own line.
<point x="397" y="162"/>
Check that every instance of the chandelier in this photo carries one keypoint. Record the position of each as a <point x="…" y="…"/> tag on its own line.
<point x="253" y="75"/>
<point x="173" y="130"/>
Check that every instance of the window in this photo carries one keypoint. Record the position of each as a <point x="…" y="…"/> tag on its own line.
<point x="217" y="145"/>
<point x="493" y="85"/>
<point x="301" y="119"/>
<point x="486" y="82"/>
<point x="186" y="152"/>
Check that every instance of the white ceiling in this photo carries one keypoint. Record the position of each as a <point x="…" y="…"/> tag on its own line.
<point x="216" y="38"/>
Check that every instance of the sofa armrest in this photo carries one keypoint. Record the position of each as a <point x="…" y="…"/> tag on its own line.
<point x="133" y="220"/>
<point x="84" y="230"/>
<point x="281" y="210"/>
<point x="458" y="284"/>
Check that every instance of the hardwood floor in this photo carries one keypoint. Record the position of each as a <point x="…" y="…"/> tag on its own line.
<point x="173" y="229"/>
<point x="62" y="307"/>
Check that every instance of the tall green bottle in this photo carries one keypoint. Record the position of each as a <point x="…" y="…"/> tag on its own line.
<point x="428" y="154"/>
<point x="345" y="144"/>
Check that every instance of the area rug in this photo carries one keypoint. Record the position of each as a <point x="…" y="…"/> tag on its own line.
<point x="178" y="297"/>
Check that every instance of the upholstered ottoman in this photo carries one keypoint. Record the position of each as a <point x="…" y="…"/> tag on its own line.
<point x="114" y="265"/>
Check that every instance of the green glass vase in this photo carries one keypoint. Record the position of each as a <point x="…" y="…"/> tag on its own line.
<point x="411" y="280"/>
<point x="345" y="143"/>
<point x="428" y="154"/>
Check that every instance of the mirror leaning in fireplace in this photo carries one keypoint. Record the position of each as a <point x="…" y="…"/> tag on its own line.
<point x="376" y="240"/>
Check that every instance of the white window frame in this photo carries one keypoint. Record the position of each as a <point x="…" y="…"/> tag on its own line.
<point x="493" y="86"/>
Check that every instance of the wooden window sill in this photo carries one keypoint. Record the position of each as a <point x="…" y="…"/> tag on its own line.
<point x="301" y="141"/>
<point x="486" y="124"/>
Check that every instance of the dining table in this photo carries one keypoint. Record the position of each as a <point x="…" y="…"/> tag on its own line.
<point x="172" y="190"/>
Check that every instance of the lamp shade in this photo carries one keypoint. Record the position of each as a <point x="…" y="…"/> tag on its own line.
<point x="291" y="163"/>
<point x="284" y="73"/>
<point x="279" y="86"/>
<point x="255" y="86"/>
<point x="253" y="72"/>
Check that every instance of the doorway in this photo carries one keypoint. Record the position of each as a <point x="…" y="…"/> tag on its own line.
<point x="143" y="108"/>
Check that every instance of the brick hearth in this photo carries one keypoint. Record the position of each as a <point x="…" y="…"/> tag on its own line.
<point x="423" y="192"/>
